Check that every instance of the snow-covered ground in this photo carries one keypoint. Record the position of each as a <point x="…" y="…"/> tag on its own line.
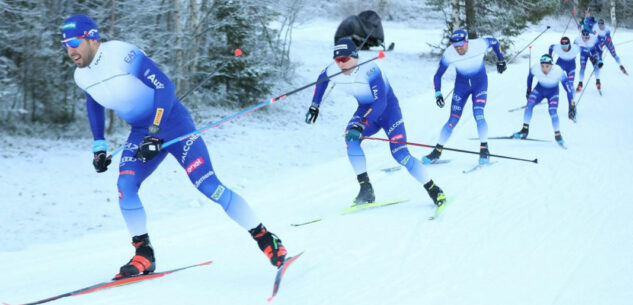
<point x="556" y="232"/>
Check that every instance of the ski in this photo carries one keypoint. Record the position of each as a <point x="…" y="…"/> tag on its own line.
<point x="517" y="109"/>
<point x="436" y="162"/>
<point x="353" y="208"/>
<point x="115" y="283"/>
<point x="512" y="138"/>
<point x="391" y="169"/>
<point x="362" y="206"/>
<point x="478" y="166"/>
<point x="563" y="146"/>
<point x="440" y="209"/>
<point x="280" y="274"/>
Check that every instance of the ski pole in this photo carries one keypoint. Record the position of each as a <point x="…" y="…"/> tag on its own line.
<point x="445" y="148"/>
<point x="381" y="54"/>
<point x="237" y="53"/>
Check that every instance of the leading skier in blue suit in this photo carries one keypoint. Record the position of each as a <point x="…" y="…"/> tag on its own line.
<point x="119" y="76"/>
<point x="377" y="109"/>
<point x="468" y="59"/>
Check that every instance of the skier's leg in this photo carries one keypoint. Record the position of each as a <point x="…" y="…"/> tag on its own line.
<point x="132" y="172"/>
<point x="479" y="98"/>
<point x="457" y="107"/>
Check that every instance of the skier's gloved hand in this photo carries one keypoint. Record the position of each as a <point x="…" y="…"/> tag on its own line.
<point x="149" y="148"/>
<point x="501" y="66"/>
<point x="600" y="63"/>
<point x="101" y="161"/>
<point x="439" y="99"/>
<point x="312" y="114"/>
<point x="572" y="112"/>
<point x="594" y="60"/>
<point x="527" y="93"/>
<point x="355" y="132"/>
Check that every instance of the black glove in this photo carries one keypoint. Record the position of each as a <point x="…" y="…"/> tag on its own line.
<point x="101" y="161"/>
<point x="527" y="93"/>
<point x="501" y="66"/>
<point x="439" y="99"/>
<point x="572" y="112"/>
<point x="149" y="148"/>
<point x="594" y="60"/>
<point x="600" y="63"/>
<point x="312" y="114"/>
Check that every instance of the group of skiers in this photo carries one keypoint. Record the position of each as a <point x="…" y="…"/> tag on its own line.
<point x="119" y="76"/>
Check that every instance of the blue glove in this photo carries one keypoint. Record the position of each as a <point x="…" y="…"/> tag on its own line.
<point x="354" y="133"/>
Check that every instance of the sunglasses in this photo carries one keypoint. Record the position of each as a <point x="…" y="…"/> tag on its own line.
<point x="342" y="59"/>
<point x="459" y="43"/>
<point x="73" y="42"/>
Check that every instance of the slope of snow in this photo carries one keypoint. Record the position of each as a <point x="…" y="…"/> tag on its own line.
<point x="556" y="232"/>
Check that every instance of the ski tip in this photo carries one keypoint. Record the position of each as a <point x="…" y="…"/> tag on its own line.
<point x="381" y="54"/>
<point x="270" y="299"/>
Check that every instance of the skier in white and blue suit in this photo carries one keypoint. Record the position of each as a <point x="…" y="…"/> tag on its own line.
<point x="468" y="59"/>
<point x="567" y="53"/>
<point x="604" y="36"/>
<point x="377" y="109"/>
<point x="549" y="76"/>
<point x="119" y="76"/>
<point x="589" y="49"/>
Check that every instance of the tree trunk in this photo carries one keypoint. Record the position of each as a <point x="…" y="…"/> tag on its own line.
<point x="456" y="22"/>
<point x="614" y="23"/>
<point x="471" y="19"/>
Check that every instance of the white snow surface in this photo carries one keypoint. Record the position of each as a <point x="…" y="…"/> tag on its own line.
<point x="556" y="232"/>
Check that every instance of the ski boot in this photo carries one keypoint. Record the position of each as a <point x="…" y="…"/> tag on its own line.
<point x="598" y="84"/>
<point x="623" y="70"/>
<point x="579" y="88"/>
<point x="435" y="192"/>
<point x="484" y="154"/>
<point x="434" y="156"/>
<point x="559" y="139"/>
<point x="366" y="193"/>
<point x="523" y="133"/>
<point x="270" y="244"/>
<point x="143" y="260"/>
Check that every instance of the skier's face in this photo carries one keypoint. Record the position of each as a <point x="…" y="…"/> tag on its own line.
<point x="83" y="54"/>
<point x="546" y="68"/>
<point x="461" y="50"/>
<point x="346" y="62"/>
<point x="601" y="26"/>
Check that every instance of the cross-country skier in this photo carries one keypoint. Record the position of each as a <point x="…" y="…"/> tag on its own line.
<point x="119" y="76"/>
<point x="588" y="22"/>
<point x="549" y="76"/>
<point x="567" y="53"/>
<point x="471" y="80"/>
<point x="377" y="109"/>
<point x="589" y="49"/>
<point x="604" y="36"/>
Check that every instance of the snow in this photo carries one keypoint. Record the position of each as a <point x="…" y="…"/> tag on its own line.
<point x="556" y="232"/>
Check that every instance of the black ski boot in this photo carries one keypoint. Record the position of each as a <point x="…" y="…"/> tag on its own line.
<point x="366" y="193"/>
<point x="559" y="138"/>
<point x="598" y="84"/>
<point x="579" y="87"/>
<point x="270" y="244"/>
<point x="143" y="260"/>
<point x="623" y="70"/>
<point x="484" y="154"/>
<point x="435" y="192"/>
<point x="523" y="133"/>
<point x="434" y="156"/>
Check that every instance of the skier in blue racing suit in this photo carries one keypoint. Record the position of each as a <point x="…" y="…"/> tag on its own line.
<point x="119" y="76"/>
<point x="377" y="109"/>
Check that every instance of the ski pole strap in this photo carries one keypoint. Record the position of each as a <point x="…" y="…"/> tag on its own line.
<point x="446" y="148"/>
